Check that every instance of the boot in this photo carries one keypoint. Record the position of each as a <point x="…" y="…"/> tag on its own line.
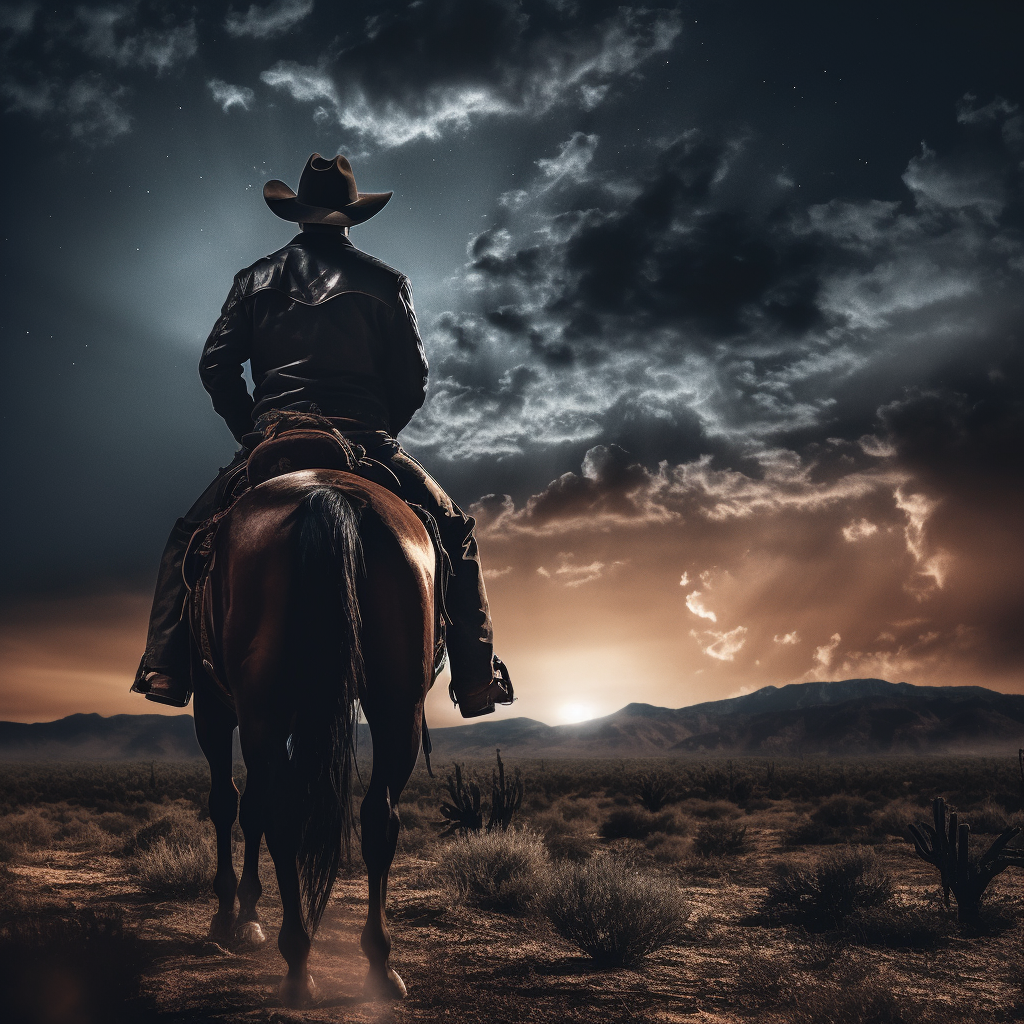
<point x="161" y="688"/>
<point x="498" y="690"/>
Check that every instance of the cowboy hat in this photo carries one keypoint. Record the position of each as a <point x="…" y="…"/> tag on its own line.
<point x="327" y="195"/>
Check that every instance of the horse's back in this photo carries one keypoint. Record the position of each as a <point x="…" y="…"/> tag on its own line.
<point x="265" y="588"/>
<point x="269" y="505"/>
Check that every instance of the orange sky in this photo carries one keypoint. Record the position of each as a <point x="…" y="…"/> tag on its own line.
<point x="619" y="584"/>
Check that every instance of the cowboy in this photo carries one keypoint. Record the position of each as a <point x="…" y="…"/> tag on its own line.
<point x="326" y="329"/>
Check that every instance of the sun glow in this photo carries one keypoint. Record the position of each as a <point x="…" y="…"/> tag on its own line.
<point x="571" y="713"/>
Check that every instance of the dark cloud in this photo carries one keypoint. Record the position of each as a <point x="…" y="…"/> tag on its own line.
<point x="229" y="96"/>
<point x="262" y="22"/>
<point x="65" y="68"/>
<point x="422" y="70"/>
<point x="709" y="291"/>
<point x="672" y="314"/>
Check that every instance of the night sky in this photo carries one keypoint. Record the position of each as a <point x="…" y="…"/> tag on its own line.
<point x="722" y="303"/>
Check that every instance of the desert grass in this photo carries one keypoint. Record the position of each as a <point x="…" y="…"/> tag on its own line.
<point x="501" y="871"/>
<point x="615" y="915"/>
<point x="825" y="894"/>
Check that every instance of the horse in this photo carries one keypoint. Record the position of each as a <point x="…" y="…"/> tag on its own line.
<point x="320" y="593"/>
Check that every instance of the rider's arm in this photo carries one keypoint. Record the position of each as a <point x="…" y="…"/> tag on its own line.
<point x="220" y="366"/>
<point x="407" y="365"/>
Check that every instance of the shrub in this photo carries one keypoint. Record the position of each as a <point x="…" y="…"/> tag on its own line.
<point x="834" y="821"/>
<point x="177" y="827"/>
<point x="636" y="823"/>
<point x="31" y="829"/>
<point x="575" y="809"/>
<point x="713" y="810"/>
<point x="565" y="841"/>
<point x="852" y="997"/>
<point x="671" y="850"/>
<point x="898" y="927"/>
<point x="843" y="812"/>
<point x="616" y="916"/>
<point x="169" y="869"/>
<point x="894" y="818"/>
<point x="988" y="819"/>
<point x="719" y="839"/>
<point x="825" y="895"/>
<point x="503" y="871"/>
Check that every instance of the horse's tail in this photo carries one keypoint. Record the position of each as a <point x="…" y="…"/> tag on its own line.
<point x="323" y="732"/>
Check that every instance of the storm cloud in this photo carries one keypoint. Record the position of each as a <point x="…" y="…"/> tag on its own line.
<point x="722" y="305"/>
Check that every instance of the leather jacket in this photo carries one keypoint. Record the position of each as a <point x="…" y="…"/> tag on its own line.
<point x="319" y="322"/>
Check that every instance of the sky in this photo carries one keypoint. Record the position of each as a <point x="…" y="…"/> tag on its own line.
<point x="722" y="302"/>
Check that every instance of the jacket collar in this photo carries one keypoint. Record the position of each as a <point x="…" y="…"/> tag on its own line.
<point x="333" y="238"/>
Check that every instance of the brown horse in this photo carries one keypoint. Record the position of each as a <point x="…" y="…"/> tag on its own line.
<point x="321" y="592"/>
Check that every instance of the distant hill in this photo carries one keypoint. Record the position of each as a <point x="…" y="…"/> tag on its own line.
<point x="851" y="717"/>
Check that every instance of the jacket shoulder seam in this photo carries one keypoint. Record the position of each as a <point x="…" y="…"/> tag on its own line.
<point x="304" y="302"/>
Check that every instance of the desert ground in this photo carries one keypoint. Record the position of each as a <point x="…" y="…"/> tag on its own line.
<point x="105" y="899"/>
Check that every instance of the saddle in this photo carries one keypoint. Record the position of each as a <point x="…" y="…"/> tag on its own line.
<point x="288" y="442"/>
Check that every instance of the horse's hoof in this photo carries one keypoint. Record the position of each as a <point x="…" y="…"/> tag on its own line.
<point x="298" y="992"/>
<point x="221" y="928"/>
<point x="249" y="933"/>
<point x="390" y="986"/>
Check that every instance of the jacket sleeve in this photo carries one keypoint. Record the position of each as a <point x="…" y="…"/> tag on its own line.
<point x="220" y="366"/>
<point x="407" y="364"/>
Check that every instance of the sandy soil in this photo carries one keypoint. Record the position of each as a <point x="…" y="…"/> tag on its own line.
<point x="466" y="965"/>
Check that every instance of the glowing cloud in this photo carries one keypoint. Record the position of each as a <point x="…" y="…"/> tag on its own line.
<point x="723" y="646"/>
<point x="696" y="605"/>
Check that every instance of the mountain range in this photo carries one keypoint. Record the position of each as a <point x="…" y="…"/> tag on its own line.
<point x="851" y="717"/>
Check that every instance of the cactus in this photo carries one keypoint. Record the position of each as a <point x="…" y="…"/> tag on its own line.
<point x="506" y="798"/>
<point x="655" y="791"/>
<point x="463" y="812"/>
<point x="947" y="846"/>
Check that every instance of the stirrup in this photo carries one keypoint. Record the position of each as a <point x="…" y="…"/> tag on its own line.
<point x="482" y="702"/>
<point x="161" y="689"/>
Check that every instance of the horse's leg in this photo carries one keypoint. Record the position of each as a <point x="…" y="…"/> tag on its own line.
<point x="251" y="818"/>
<point x="265" y="751"/>
<point x="215" y="724"/>
<point x="396" y="739"/>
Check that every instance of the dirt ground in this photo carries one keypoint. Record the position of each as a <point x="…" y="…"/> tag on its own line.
<point x="463" y="964"/>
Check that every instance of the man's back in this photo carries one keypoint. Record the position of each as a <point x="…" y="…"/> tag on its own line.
<point x="321" y="322"/>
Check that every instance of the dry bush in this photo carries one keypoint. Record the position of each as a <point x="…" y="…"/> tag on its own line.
<point x="670" y="850"/>
<point x="29" y="829"/>
<point x="636" y="823"/>
<point x="826" y="894"/>
<point x="719" y="839"/>
<point x="713" y="810"/>
<point x="565" y="841"/>
<point x="989" y="819"/>
<point x="168" y="869"/>
<point x="577" y="808"/>
<point x="114" y="823"/>
<point x="899" y="927"/>
<point x="178" y="825"/>
<point x="416" y="834"/>
<point x="834" y="821"/>
<point x="851" y="996"/>
<point x="504" y="871"/>
<point x="83" y="968"/>
<point x="895" y="817"/>
<point x="617" y="916"/>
